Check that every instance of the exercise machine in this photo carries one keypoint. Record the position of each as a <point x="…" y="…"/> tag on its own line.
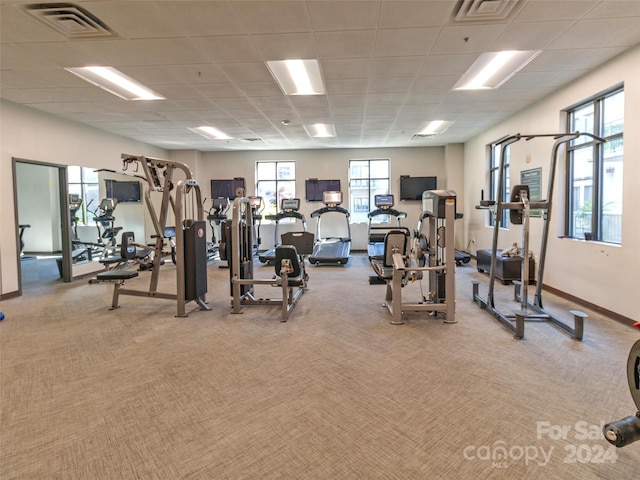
<point x="257" y="206"/>
<point x="80" y="250"/>
<point x="519" y="208"/>
<point x="376" y="232"/>
<point x="289" y="208"/>
<point x="461" y="258"/>
<point x="217" y="213"/>
<point x="396" y="265"/>
<point x="22" y="228"/>
<point x="623" y="432"/>
<point x="107" y="235"/>
<point x="289" y="262"/>
<point x="331" y="249"/>
<point x="181" y="198"/>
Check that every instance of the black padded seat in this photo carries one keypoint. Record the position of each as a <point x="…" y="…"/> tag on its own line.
<point x="111" y="275"/>
<point x="396" y="241"/>
<point x="288" y="252"/>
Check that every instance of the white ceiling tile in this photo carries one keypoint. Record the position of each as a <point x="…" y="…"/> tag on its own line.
<point x="415" y="13"/>
<point x="285" y="46"/>
<point x="343" y="15"/>
<point x="247" y="72"/>
<point x="600" y="33"/>
<point x="352" y="44"/>
<point x="546" y="10"/>
<point x="466" y="39"/>
<point x="397" y="66"/>
<point x="233" y="48"/>
<point x="405" y="41"/>
<point x="273" y="16"/>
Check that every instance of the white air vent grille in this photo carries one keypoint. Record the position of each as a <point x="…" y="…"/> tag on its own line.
<point x="70" y="20"/>
<point x="252" y="140"/>
<point x="485" y="10"/>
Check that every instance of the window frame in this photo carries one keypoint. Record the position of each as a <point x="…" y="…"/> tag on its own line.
<point x="495" y="152"/>
<point x="597" y="150"/>
<point x="272" y="210"/>
<point x="84" y="187"/>
<point x="364" y="182"/>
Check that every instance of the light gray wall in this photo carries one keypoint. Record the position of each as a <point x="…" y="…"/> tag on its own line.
<point x="39" y="207"/>
<point x="329" y="164"/>
<point x="31" y="135"/>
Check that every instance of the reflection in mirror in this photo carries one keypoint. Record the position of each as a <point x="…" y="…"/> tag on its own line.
<point x="102" y="205"/>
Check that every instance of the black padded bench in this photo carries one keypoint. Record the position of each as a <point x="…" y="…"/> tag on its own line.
<point x="121" y="275"/>
<point x="507" y="268"/>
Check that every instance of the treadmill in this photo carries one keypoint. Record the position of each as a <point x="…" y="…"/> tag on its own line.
<point x="289" y="208"/>
<point x="331" y="249"/>
<point x="376" y="233"/>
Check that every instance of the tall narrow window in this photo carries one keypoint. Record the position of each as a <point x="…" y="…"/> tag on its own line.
<point x="594" y="170"/>
<point x="83" y="181"/>
<point x="367" y="178"/>
<point x="275" y="181"/>
<point x="496" y="153"/>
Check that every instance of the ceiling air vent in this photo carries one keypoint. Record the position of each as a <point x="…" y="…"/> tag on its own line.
<point x="421" y="136"/>
<point x="252" y="140"/>
<point x="485" y="10"/>
<point x="71" y="20"/>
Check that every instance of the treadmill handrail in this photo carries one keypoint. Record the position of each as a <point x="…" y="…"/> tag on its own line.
<point x="327" y="209"/>
<point x="387" y="211"/>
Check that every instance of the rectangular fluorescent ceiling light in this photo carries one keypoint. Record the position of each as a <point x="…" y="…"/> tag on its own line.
<point x="115" y="82"/>
<point x="211" y="133"/>
<point x="434" y="127"/>
<point x="297" y="77"/>
<point x="492" y="69"/>
<point x="321" y="130"/>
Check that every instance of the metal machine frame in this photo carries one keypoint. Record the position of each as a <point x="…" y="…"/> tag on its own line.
<point x="520" y="206"/>
<point x="185" y="197"/>
<point x="441" y="207"/>
<point x="241" y="260"/>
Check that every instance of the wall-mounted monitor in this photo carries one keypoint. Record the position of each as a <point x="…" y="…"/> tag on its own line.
<point x="127" y="191"/>
<point x="314" y="188"/>
<point x="411" y="188"/>
<point x="227" y="188"/>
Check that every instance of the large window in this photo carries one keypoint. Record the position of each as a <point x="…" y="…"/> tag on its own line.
<point x="495" y="155"/>
<point x="275" y="181"/>
<point x="83" y="181"/>
<point x="594" y="169"/>
<point x="367" y="178"/>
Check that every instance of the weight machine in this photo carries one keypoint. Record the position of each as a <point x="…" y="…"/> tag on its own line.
<point x="289" y="261"/>
<point x="439" y="206"/>
<point x="184" y="200"/>
<point x="519" y="207"/>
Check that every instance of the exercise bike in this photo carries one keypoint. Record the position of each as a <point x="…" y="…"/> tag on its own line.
<point x="623" y="432"/>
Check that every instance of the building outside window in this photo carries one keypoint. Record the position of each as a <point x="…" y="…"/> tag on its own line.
<point x="594" y="170"/>
<point x="495" y="152"/>
<point x="83" y="181"/>
<point x="367" y="178"/>
<point x="275" y="181"/>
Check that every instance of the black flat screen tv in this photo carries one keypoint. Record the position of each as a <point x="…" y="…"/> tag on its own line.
<point x="128" y="191"/>
<point x="411" y="188"/>
<point x="314" y="188"/>
<point x="227" y="188"/>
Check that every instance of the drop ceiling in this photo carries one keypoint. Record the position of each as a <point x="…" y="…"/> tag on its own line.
<point x="389" y="66"/>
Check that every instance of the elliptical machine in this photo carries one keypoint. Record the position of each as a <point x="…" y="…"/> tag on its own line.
<point x="103" y="216"/>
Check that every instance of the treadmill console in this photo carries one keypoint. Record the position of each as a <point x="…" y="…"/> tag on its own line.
<point x="332" y="198"/>
<point x="290" y="204"/>
<point x="383" y="201"/>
